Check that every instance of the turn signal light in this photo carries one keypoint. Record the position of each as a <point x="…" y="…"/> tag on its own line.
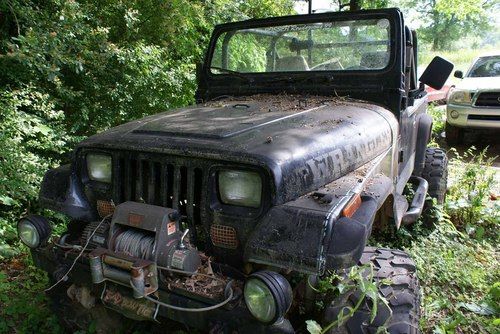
<point x="352" y="206"/>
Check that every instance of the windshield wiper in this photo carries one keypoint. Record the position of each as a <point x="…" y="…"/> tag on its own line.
<point x="235" y="73"/>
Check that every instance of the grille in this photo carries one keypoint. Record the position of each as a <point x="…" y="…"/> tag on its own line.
<point x="223" y="236"/>
<point x="485" y="117"/>
<point x="105" y="208"/>
<point x="488" y="99"/>
<point x="171" y="183"/>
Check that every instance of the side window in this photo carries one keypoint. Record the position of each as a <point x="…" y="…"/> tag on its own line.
<point x="241" y="51"/>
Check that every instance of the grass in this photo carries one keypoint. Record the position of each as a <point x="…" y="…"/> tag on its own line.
<point x="23" y="305"/>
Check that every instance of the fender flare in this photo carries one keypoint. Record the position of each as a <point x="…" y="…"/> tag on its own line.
<point x="424" y="131"/>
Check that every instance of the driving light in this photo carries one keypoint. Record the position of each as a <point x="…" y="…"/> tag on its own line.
<point x="240" y="188"/>
<point x="268" y="296"/>
<point x="454" y="114"/>
<point x="34" y="230"/>
<point x="99" y="167"/>
<point x="459" y="97"/>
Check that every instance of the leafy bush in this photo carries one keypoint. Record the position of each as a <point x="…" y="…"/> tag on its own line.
<point x="70" y="69"/>
<point x="468" y="204"/>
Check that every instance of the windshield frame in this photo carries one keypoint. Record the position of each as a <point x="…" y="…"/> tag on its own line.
<point x="305" y="19"/>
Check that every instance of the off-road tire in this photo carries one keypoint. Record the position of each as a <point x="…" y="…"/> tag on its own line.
<point x="436" y="173"/>
<point x="403" y="297"/>
<point x="453" y="134"/>
<point x="73" y="317"/>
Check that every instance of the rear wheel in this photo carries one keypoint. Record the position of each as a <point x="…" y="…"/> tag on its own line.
<point x="436" y="173"/>
<point x="454" y="135"/>
<point x="402" y="295"/>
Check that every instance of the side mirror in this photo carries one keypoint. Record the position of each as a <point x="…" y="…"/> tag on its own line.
<point x="436" y="73"/>
<point x="458" y="74"/>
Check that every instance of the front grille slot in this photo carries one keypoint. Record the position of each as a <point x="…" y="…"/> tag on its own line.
<point x="484" y="117"/>
<point x="488" y="99"/>
<point x="152" y="180"/>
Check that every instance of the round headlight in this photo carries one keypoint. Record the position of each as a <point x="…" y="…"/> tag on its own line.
<point x="268" y="296"/>
<point x="99" y="167"/>
<point x="454" y="114"/>
<point x="33" y="230"/>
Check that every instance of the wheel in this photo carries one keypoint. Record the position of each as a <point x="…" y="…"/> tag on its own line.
<point x="454" y="135"/>
<point x="73" y="317"/>
<point x="403" y="297"/>
<point x="436" y="173"/>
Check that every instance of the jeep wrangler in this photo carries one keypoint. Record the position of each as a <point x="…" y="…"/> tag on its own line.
<point x="225" y="215"/>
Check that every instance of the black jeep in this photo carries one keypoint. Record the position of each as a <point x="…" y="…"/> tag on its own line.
<point x="225" y="215"/>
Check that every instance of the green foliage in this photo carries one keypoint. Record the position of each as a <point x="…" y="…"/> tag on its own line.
<point x="23" y="308"/>
<point x="438" y="120"/>
<point x="467" y="203"/>
<point x="457" y="261"/>
<point x="358" y="278"/>
<point x="71" y="69"/>
<point x="458" y="276"/>
<point x="446" y="21"/>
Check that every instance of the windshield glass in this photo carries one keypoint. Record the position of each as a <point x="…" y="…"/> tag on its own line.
<point x="486" y="67"/>
<point x="324" y="46"/>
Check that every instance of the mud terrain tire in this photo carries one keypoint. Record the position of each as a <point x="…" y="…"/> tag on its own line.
<point x="453" y="135"/>
<point x="436" y="173"/>
<point x="403" y="296"/>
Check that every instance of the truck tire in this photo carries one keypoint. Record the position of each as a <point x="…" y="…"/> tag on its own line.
<point x="403" y="297"/>
<point x="453" y="134"/>
<point x="436" y="173"/>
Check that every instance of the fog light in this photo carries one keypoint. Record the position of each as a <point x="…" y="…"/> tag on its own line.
<point x="268" y="296"/>
<point x="34" y="230"/>
<point x="454" y="114"/>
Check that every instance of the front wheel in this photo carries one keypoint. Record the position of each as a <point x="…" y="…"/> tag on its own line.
<point x="402" y="294"/>
<point x="454" y="135"/>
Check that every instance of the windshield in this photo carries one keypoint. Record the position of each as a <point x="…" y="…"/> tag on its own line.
<point x="324" y="46"/>
<point x="486" y="67"/>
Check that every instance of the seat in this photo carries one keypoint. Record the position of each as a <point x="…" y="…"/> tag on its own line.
<point x="292" y="63"/>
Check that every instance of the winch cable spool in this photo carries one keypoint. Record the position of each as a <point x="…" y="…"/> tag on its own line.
<point x="65" y="276"/>
<point x="135" y="244"/>
<point x="228" y="290"/>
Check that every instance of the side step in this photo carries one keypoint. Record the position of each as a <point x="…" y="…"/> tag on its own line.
<point x="417" y="204"/>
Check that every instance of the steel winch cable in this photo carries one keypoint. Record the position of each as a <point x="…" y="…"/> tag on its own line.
<point x="65" y="276"/>
<point x="228" y="291"/>
<point x="135" y="244"/>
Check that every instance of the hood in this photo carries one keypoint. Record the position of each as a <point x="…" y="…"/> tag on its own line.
<point x="303" y="142"/>
<point x="479" y="83"/>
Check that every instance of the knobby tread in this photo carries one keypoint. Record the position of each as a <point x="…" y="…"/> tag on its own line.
<point x="436" y="173"/>
<point x="403" y="296"/>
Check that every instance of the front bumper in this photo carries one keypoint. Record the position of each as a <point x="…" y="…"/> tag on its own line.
<point x="473" y="117"/>
<point x="233" y="316"/>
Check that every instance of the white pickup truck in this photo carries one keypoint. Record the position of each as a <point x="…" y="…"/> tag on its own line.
<point x="475" y="102"/>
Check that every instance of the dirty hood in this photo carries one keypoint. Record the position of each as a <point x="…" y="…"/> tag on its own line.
<point x="302" y="142"/>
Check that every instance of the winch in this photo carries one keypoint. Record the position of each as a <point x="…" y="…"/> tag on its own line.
<point x="139" y="238"/>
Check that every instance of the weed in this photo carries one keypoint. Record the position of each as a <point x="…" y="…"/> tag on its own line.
<point x="468" y="196"/>
<point x="359" y="279"/>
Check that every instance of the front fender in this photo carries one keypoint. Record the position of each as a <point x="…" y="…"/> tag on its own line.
<point x="61" y="191"/>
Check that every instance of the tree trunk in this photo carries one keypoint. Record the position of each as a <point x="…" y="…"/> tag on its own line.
<point x="354" y="5"/>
